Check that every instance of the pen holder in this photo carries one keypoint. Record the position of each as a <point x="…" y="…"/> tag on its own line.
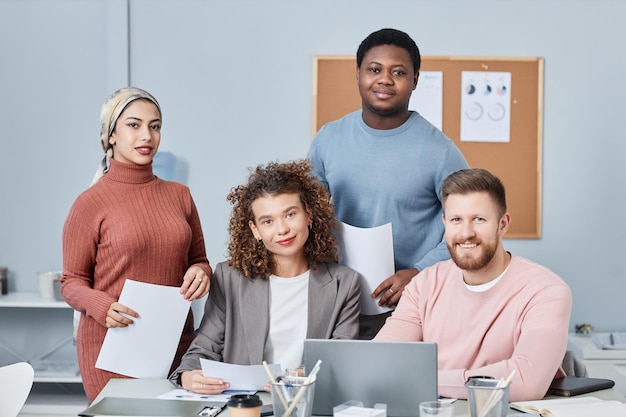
<point x="292" y="397"/>
<point x="244" y="405"/>
<point x="485" y="398"/>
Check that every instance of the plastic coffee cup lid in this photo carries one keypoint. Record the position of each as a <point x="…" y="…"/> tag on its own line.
<point x="244" y="401"/>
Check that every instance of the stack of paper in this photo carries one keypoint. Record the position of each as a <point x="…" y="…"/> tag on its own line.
<point x="572" y="407"/>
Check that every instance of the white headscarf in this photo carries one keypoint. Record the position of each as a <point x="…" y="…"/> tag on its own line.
<point x="111" y="110"/>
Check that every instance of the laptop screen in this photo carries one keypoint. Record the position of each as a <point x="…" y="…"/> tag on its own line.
<point x="398" y="374"/>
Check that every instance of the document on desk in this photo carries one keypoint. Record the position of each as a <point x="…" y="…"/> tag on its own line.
<point x="369" y="251"/>
<point x="240" y="377"/>
<point x="146" y="348"/>
<point x="184" y="395"/>
<point x="572" y="407"/>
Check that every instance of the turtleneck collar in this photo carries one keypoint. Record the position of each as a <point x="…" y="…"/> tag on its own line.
<point x="130" y="174"/>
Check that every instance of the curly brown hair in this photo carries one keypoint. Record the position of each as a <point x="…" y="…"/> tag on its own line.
<point x="250" y="257"/>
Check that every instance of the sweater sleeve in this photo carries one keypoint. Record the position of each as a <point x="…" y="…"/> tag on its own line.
<point x="197" y="250"/>
<point x="405" y="323"/>
<point x="537" y="354"/>
<point x="80" y="240"/>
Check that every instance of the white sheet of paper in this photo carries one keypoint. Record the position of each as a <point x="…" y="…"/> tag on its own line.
<point x="146" y="348"/>
<point x="486" y="106"/>
<point x="240" y="377"/>
<point x="183" y="394"/>
<point x="369" y="251"/>
<point x="427" y="99"/>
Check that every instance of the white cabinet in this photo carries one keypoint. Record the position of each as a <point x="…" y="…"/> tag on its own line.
<point x="41" y="332"/>
<point x="601" y="363"/>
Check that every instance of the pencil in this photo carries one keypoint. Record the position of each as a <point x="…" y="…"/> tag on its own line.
<point x="496" y="395"/>
<point x="272" y="381"/>
<point x="303" y="388"/>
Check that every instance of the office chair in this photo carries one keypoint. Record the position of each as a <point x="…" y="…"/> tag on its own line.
<point x="573" y="366"/>
<point x="16" y="381"/>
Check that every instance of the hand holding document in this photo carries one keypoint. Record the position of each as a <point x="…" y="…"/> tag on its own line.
<point x="240" y="377"/>
<point x="369" y="251"/>
<point x="146" y="348"/>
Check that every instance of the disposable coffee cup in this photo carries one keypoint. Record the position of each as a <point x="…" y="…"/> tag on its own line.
<point x="244" y="405"/>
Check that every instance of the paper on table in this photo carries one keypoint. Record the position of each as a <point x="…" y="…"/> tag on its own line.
<point x="146" y="348"/>
<point x="572" y="407"/>
<point x="183" y="394"/>
<point x="369" y="251"/>
<point x="240" y="377"/>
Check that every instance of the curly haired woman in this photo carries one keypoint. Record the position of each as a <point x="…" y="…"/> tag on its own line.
<point x="282" y="283"/>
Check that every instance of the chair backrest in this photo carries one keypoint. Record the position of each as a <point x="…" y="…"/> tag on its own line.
<point x="573" y="366"/>
<point x="16" y="381"/>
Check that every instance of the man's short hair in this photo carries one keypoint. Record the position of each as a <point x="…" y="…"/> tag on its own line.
<point x="474" y="180"/>
<point x="390" y="37"/>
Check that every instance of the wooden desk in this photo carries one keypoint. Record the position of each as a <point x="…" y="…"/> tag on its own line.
<point x="152" y="388"/>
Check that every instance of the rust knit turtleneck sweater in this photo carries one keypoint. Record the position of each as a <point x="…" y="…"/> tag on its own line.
<point x="129" y="225"/>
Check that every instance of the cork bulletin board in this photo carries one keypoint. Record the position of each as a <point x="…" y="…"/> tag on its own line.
<point x="518" y="162"/>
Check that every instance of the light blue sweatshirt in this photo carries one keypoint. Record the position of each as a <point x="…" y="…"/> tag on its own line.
<point x="381" y="176"/>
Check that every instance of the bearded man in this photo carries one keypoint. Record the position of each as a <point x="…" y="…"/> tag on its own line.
<point x="490" y="312"/>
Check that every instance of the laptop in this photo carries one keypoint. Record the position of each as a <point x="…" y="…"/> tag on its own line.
<point x="123" y="406"/>
<point x="399" y="374"/>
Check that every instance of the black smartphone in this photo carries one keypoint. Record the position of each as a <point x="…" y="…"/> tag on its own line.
<point x="267" y="410"/>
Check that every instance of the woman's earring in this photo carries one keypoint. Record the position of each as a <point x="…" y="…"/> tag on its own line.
<point x="311" y="226"/>
<point x="260" y="240"/>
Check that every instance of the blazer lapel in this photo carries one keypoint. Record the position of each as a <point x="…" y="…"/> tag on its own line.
<point x="254" y="296"/>
<point x="322" y="296"/>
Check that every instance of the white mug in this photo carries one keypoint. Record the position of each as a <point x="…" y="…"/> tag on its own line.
<point x="46" y="283"/>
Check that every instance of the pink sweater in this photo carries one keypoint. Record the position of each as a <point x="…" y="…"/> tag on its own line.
<point x="520" y="323"/>
<point x="130" y="224"/>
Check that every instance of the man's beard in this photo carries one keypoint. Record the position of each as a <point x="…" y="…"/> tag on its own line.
<point x="473" y="264"/>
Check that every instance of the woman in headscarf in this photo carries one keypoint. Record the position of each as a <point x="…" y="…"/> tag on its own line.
<point x="129" y="224"/>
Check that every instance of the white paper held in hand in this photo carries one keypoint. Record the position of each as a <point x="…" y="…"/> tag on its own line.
<point x="146" y="348"/>
<point x="240" y="377"/>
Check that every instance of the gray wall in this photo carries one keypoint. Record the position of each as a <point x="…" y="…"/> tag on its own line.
<point x="234" y="79"/>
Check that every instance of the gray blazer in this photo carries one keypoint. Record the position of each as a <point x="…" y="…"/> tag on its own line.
<point x="235" y="325"/>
